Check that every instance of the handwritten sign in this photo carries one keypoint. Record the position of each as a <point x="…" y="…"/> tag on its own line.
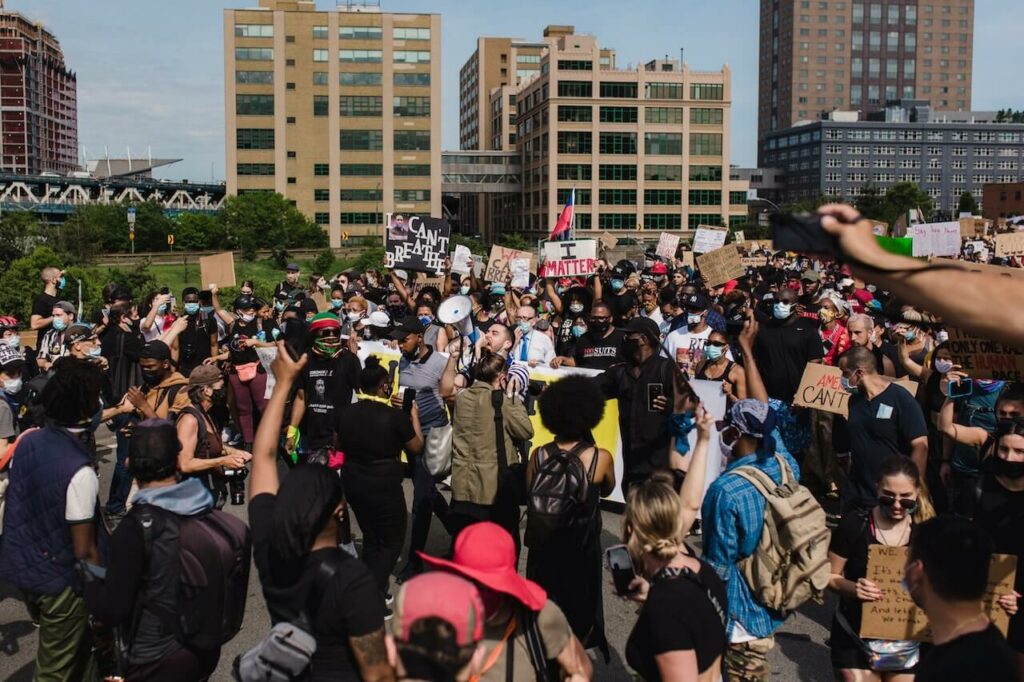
<point x="895" y="616"/>
<point x="218" y="269"/>
<point x="821" y="389"/>
<point x="936" y="239"/>
<point x="460" y="260"/>
<point x="520" y="272"/>
<point x="668" y="244"/>
<point x="984" y="358"/>
<point x="686" y="259"/>
<point x="499" y="263"/>
<point x="879" y="228"/>
<point x="569" y="259"/>
<point x="739" y="237"/>
<point x="709" y="238"/>
<point x="721" y="265"/>
<point x="1010" y="244"/>
<point x="754" y="261"/>
<point x="608" y="241"/>
<point x="417" y="243"/>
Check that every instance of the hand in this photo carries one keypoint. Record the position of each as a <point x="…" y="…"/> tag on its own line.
<point x="102" y="362"/>
<point x="638" y="590"/>
<point x="660" y="404"/>
<point x="212" y="360"/>
<point x="945" y="473"/>
<point x="289" y="444"/>
<point x="447" y="264"/>
<point x="284" y="368"/>
<point x="1008" y="602"/>
<point x="749" y="332"/>
<point x="867" y="590"/>
<point x="136" y="397"/>
<point x="952" y="377"/>
<point x="397" y="400"/>
<point x="557" y="362"/>
<point x="532" y="363"/>
<point x="180" y="325"/>
<point x="415" y="412"/>
<point x="705" y="422"/>
<point x="236" y="459"/>
<point x="162" y="299"/>
<point x="250" y="343"/>
<point x="729" y="389"/>
<point x="213" y="290"/>
<point x="855" y="234"/>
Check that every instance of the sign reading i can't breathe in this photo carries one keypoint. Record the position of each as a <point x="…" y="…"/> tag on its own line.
<point x="569" y="259"/>
<point x="418" y="243"/>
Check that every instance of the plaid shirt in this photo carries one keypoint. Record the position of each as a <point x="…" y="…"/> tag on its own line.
<point x="733" y="518"/>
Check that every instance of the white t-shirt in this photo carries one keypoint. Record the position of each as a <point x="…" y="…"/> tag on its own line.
<point x="83" y="491"/>
<point x="687" y="348"/>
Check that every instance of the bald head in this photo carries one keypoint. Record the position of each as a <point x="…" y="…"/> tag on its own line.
<point x="858" y="357"/>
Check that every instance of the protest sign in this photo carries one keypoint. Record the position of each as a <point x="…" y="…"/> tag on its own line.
<point x="417" y="243"/>
<point x="460" y="260"/>
<point x="721" y="265"/>
<point x="608" y="241"/>
<point x="686" y="259"/>
<point x="821" y="389"/>
<point x="520" y="268"/>
<point x="668" y="244"/>
<point x="709" y="238"/>
<point x="983" y="358"/>
<point x="971" y="226"/>
<point x="499" y="263"/>
<point x="738" y="236"/>
<point x="895" y="616"/>
<point x="217" y="269"/>
<point x="879" y="228"/>
<point x="754" y="261"/>
<point x="1010" y="244"/>
<point x="569" y="259"/>
<point x="935" y="239"/>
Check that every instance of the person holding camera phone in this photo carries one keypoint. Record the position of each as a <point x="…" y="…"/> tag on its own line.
<point x="197" y="339"/>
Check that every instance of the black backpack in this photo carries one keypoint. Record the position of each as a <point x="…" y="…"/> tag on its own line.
<point x="559" y="493"/>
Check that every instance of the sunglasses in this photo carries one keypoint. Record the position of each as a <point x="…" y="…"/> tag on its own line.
<point x="909" y="506"/>
<point x="718" y="344"/>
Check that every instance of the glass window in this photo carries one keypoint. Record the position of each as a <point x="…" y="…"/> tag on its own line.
<point x="359" y="32"/>
<point x="412" y="140"/>
<point x="319" y="78"/>
<point x="618" y="114"/>
<point x="254" y="77"/>
<point x="321" y="195"/>
<point x="320" y="105"/>
<point x="320" y="55"/>
<point x="706" y="116"/>
<point x="361" y="218"/>
<point x="663" y="197"/>
<point x="411" y="57"/>
<point x="410" y="33"/>
<point x="254" y="30"/>
<point x="617" y="221"/>
<point x="360" y="56"/>
<point x="618" y="90"/>
<point x="698" y="219"/>
<point x="575" y="114"/>
<point x="574" y="171"/>
<point x="411" y="106"/>
<point x="254" y="105"/>
<point x="892" y="41"/>
<point x="254" y="138"/>
<point x="362" y="169"/>
<point x="358" y="78"/>
<point x="617" y="172"/>
<point x="705" y="144"/>
<point x="412" y="169"/>
<point x="322" y="218"/>
<point x="252" y="54"/>
<point x="700" y="91"/>
<point x="575" y="89"/>
<point x="663" y="90"/>
<point x="412" y="79"/>
<point x="663" y="221"/>
<point x="701" y="173"/>
<point x="362" y="140"/>
<point x="360" y="106"/>
<point x="618" y="143"/>
<point x="575" y="65"/>
<point x="320" y="32"/>
<point x="670" y="144"/>
<point x="668" y="115"/>
<point x="321" y="169"/>
<point x="660" y="173"/>
<point x="574" y="142"/>
<point x="412" y="195"/>
<point x="255" y="169"/>
<point x="617" y="197"/>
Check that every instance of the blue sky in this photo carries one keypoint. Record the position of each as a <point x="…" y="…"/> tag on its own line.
<point x="150" y="73"/>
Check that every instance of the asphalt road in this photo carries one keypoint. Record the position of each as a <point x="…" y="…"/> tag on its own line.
<point x="800" y="652"/>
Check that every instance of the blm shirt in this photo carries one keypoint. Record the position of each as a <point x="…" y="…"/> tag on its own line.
<point x="328" y="385"/>
<point x="594" y="351"/>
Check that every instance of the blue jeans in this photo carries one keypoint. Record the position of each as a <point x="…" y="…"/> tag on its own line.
<point x="121" y="482"/>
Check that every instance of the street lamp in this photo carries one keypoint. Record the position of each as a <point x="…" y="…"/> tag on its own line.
<point x="756" y="200"/>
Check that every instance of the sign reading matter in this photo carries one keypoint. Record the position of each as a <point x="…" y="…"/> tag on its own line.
<point x="709" y="238"/>
<point x="418" y="243"/>
<point x="721" y="265"/>
<point x="499" y="263"/>
<point x="896" y="617"/>
<point x="985" y="359"/>
<point x="569" y="259"/>
<point x="821" y="389"/>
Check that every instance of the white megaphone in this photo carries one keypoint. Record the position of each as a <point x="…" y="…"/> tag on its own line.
<point x="456" y="311"/>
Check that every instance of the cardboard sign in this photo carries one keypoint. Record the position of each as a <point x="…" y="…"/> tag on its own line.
<point x="738" y="236"/>
<point x="520" y="268"/>
<point x="608" y="241"/>
<point x="821" y="389"/>
<point x="983" y="358"/>
<point x="879" y="228"/>
<point x="668" y="245"/>
<point x="754" y="261"/>
<point x="1010" y="244"/>
<point x="709" y="238"/>
<point x="460" y="260"/>
<point x="570" y="259"/>
<point x="218" y="269"/>
<point x="936" y="239"/>
<point x="499" y="263"/>
<point x="416" y="243"/>
<point x="686" y="259"/>
<point x="972" y="227"/>
<point x="721" y="265"/>
<point x="895" y="616"/>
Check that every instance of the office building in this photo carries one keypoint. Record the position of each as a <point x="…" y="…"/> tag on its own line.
<point x="1003" y="200"/>
<point x="645" y="148"/>
<point x="824" y="55"/>
<point x="39" y="117"/>
<point x="338" y="110"/>
<point x="945" y="153"/>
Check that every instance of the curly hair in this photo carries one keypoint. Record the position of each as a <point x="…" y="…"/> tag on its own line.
<point x="72" y="395"/>
<point x="572" y="407"/>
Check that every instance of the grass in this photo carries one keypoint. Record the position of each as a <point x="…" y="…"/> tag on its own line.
<point x="186" y="274"/>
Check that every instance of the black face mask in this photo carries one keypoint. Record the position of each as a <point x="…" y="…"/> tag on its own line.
<point x="396" y="311"/>
<point x="220" y="395"/>
<point x="1007" y="469"/>
<point x="153" y="378"/>
<point x="599" y="327"/>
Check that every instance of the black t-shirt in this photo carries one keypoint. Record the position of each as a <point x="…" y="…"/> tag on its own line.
<point x="565" y="342"/>
<point x="372" y="434"/>
<point x="291" y="290"/>
<point x="194" y="342"/>
<point x="595" y="352"/>
<point x="1001" y="513"/>
<point x="783" y="350"/>
<point x="42" y="305"/>
<point x="851" y="540"/>
<point x="679" y="616"/>
<point x="350" y="606"/>
<point x="621" y="305"/>
<point x="256" y="329"/>
<point x="888" y="350"/>
<point x="978" y="656"/>
<point x="327" y="385"/>
<point x="875" y="430"/>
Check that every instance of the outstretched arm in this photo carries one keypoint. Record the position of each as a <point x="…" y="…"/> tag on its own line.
<point x="264" y="448"/>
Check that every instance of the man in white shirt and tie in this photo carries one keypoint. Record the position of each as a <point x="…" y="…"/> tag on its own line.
<point x="531" y="346"/>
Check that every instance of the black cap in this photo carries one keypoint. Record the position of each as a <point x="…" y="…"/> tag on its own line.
<point x="244" y="303"/>
<point x="121" y="294"/>
<point x="645" y="326"/>
<point x="696" y="301"/>
<point x="78" y="332"/>
<point x="156" y="350"/>
<point x="409" y="325"/>
<point x="10" y="358"/>
<point x="292" y="267"/>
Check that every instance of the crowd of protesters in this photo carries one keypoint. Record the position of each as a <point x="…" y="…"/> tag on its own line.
<point x="292" y="401"/>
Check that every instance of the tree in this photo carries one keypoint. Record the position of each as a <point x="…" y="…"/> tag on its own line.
<point x="514" y="240"/>
<point x="19" y="233"/>
<point x="967" y="204"/>
<point x="200" y="232"/>
<point x="871" y="203"/>
<point x="324" y="262"/>
<point x="265" y="220"/>
<point x="904" y="196"/>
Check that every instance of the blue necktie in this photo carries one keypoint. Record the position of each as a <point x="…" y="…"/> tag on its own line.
<point x="524" y="354"/>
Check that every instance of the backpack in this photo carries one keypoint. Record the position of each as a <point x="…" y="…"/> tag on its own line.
<point x="790" y="564"/>
<point x="202" y="444"/>
<point x="558" y="496"/>
<point x="215" y="551"/>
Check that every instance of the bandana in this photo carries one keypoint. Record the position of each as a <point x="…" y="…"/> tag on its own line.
<point x="754" y="418"/>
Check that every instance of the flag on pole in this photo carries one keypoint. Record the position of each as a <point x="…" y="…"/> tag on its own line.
<point x="566" y="221"/>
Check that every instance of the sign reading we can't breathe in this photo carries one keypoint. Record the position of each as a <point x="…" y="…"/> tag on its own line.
<point x="418" y="243"/>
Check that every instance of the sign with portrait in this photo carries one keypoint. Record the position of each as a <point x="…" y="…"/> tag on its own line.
<point x="417" y="243"/>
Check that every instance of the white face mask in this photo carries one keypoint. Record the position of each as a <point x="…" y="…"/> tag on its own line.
<point x="12" y="386"/>
<point x="943" y="366"/>
<point x="14" y="341"/>
<point x="248" y="318"/>
<point x="354" y="316"/>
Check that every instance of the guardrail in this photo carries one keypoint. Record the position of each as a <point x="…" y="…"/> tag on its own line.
<point x="112" y="260"/>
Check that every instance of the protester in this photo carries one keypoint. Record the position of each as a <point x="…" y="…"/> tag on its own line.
<point x="198" y="341"/>
<point x="51" y="344"/>
<point x="295" y="525"/>
<point x="786" y="343"/>
<point x="246" y="375"/>
<point x="530" y="345"/>
<point x="718" y="365"/>
<point x="687" y="345"/>
<point x="12" y="364"/>
<point x="598" y="345"/>
<point x="834" y="333"/>
<point x="164" y="393"/>
<point x="290" y="287"/>
<point x="54" y="282"/>
<point x="515" y="609"/>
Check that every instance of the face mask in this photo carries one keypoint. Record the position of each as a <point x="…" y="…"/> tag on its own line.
<point x="426" y="320"/>
<point x="336" y="302"/>
<point x="12" y="386"/>
<point x="576" y="308"/>
<point x="1000" y="466"/>
<point x="726" y="448"/>
<point x="617" y="284"/>
<point x="323" y="284"/>
<point x="396" y="310"/>
<point x="464" y="290"/>
<point x="826" y="315"/>
<point x="279" y="305"/>
<point x="247" y="318"/>
<point x="219" y="395"/>
<point x="497" y="290"/>
<point x="942" y="337"/>
<point x="354" y="316"/>
<point x="943" y="366"/>
<point x="782" y="310"/>
<point x="207" y="309"/>
<point x="713" y="353"/>
<point x="152" y="378"/>
<point x="162" y="309"/>
<point x="191" y="308"/>
<point x="95" y="352"/>
<point x="910" y="336"/>
<point x="14" y="341"/>
<point x="693" y="319"/>
<point x="847" y="386"/>
<point x="524" y="327"/>
<point x="62" y="282"/>
<point x="59" y="324"/>
<point x="328" y="347"/>
<point x="578" y="331"/>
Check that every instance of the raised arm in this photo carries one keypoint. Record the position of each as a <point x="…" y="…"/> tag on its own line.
<point x="692" y="493"/>
<point x="755" y="385"/>
<point x="264" y="448"/>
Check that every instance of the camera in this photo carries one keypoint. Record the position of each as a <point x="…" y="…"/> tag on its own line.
<point x="236" y="484"/>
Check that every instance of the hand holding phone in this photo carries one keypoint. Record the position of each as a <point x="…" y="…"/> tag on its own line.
<point x="655" y="391"/>
<point x="621" y="566"/>
<point x="802" y="233"/>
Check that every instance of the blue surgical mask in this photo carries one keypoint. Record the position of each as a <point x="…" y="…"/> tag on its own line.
<point x="59" y="324"/>
<point x="693" y="318"/>
<point x="578" y="331"/>
<point x="524" y="327"/>
<point x="279" y="305"/>
<point x="63" y="282"/>
<point x="713" y="352"/>
<point x="498" y="289"/>
<point x="910" y="336"/>
<point x="336" y="302"/>
<point x="162" y="309"/>
<point x="207" y="309"/>
<point x="191" y="308"/>
<point x="617" y="284"/>
<point x="95" y="351"/>
<point x="847" y="386"/>
<point x="782" y="310"/>
<point x="426" y="320"/>
<point x="464" y="290"/>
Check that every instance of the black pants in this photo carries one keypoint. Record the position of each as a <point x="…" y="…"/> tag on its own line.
<point x="427" y="500"/>
<point x="184" y="664"/>
<point x="379" y="506"/>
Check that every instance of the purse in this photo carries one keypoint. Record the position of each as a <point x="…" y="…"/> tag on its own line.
<point x="884" y="655"/>
<point x="437" y="451"/>
<point x="247" y="372"/>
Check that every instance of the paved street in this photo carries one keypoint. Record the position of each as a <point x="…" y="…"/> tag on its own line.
<point x="800" y="652"/>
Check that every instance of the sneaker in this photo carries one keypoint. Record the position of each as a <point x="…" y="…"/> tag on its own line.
<point x="389" y="599"/>
<point x="388" y="614"/>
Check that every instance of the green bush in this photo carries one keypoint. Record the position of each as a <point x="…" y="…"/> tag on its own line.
<point x="324" y="263"/>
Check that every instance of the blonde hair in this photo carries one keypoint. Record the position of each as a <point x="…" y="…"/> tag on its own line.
<point x="654" y="514"/>
<point x="358" y="302"/>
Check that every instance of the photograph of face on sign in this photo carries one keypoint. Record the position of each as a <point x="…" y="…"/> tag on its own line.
<point x="398" y="231"/>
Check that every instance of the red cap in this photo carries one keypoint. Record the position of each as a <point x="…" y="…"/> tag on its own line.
<point x="485" y="553"/>
<point x="730" y="285"/>
<point x="659" y="268"/>
<point x="441" y="595"/>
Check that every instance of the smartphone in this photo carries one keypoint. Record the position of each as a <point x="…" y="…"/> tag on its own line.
<point x="621" y="565"/>
<point x="165" y="290"/>
<point x="654" y="391"/>
<point x="408" y="399"/>
<point x="960" y="389"/>
<point x="802" y="233"/>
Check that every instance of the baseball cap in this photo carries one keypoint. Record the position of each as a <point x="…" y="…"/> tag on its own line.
<point x="659" y="268"/>
<point x="204" y="375"/>
<point x="440" y="595"/>
<point x="811" y="276"/>
<point x="292" y="267"/>
<point x="402" y="275"/>
<point x="69" y="308"/>
<point x="696" y="301"/>
<point x="645" y="326"/>
<point x="78" y="332"/>
<point x="378" y="318"/>
<point x="10" y="358"/>
<point x="410" y="325"/>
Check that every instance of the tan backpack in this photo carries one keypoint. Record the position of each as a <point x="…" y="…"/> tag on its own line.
<point x="790" y="564"/>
